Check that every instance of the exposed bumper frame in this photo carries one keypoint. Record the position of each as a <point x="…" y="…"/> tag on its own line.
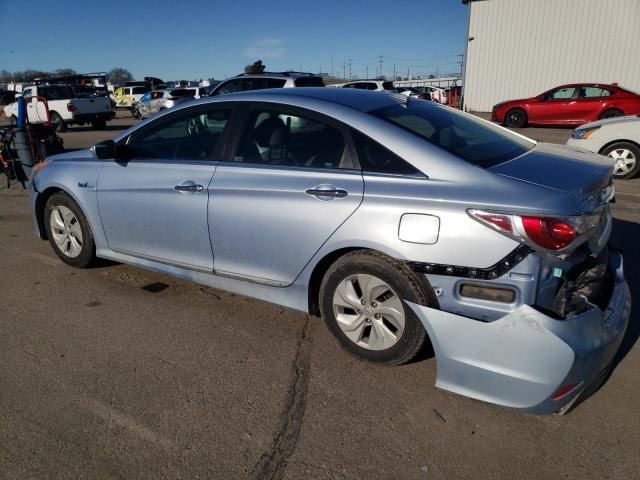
<point x="522" y="359"/>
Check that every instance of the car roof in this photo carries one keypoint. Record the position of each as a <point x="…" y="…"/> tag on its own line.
<point x="363" y="100"/>
<point x="276" y="75"/>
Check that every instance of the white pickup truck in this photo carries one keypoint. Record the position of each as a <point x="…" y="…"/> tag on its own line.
<point x="64" y="108"/>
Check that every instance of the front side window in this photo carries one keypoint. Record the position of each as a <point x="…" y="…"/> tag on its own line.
<point x="277" y="138"/>
<point x="184" y="136"/>
<point x="231" y="86"/>
<point x="476" y="142"/>
<point x="560" y="94"/>
<point x="253" y="84"/>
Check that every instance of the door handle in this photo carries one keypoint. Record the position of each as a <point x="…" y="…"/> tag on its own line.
<point x="326" y="192"/>
<point x="188" y="188"/>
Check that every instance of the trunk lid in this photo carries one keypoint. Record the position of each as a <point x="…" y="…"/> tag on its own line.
<point x="584" y="176"/>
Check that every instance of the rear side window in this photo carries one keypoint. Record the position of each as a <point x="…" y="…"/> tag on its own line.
<point x="138" y="90"/>
<point x="387" y="85"/>
<point x="375" y="158"/>
<point x="309" y="82"/>
<point x="57" y="93"/>
<point x="275" y="82"/>
<point x="289" y="139"/>
<point x="593" y="92"/>
<point x="482" y="144"/>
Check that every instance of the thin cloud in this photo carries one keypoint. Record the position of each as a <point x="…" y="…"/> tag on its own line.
<point x="265" y="48"/>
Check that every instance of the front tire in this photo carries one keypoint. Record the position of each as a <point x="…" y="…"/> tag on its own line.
<point x="362" y="301"/>
<point x="626" y="157"/>
<point x="68" y="231"/>
<point x="515" y="118"/>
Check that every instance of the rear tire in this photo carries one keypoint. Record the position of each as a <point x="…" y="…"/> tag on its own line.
<point x="362" y="301"/>
<point x="68" y="231"/>
<point x="611" y="113"/>
<point x="515" y="118"/>
<point x="626" y="157"/>
<point x="58" y="123"/>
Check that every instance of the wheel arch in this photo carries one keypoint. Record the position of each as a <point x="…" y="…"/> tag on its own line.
<point x="319" y="270"/>
<point x="323" y="265"/>
<point x="618" y="140"/>
<point x="41" y="203"/>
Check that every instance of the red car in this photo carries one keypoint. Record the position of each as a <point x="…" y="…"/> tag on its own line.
<point x="569" y="105"/>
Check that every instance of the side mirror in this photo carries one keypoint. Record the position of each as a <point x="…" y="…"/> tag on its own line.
<point x="104" y="150"/>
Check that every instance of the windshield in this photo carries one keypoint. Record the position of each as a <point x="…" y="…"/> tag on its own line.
<point x="472" y="140"/>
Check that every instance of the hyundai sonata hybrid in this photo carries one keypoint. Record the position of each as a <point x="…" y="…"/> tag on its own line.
<point x="401" y="222"/>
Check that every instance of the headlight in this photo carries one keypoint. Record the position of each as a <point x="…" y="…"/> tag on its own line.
<point x="583" y="133"/>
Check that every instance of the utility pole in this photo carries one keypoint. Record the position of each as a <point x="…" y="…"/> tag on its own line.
<point x="332" y="65"/>
<point x="344" y="69"/>
<point x="407" y="73"/>
<point x="367" y="72"/>
<point x="394" y="72"/>
<point x="350" y="76"/>
<point x="380" y="62"/>
<point x="461" y="63"/>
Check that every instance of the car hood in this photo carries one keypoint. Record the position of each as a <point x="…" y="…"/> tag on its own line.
<point x="584" y="176"/>
<point x="612" y="122"/>
<point x="518" y="100"/>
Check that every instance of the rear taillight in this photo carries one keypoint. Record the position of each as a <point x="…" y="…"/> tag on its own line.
<point x="556" y="234"/>
<point x="71" y="107"/>
<point x="551" y="233"/>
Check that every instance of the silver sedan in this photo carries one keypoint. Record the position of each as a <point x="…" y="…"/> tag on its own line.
<point x="402" y="223"/>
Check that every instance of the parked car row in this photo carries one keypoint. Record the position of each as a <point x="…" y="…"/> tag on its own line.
<point x="588" y="106"/>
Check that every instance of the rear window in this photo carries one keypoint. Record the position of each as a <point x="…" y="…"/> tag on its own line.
<point x="472" y="140"/>
<point x="56" y="93"/>
<point x="309" y="82"/>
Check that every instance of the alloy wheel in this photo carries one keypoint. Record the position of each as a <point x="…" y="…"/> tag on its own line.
<point x="66" y="231"/>
<point x="625" y="161"/>
<point x="369" y="312"/>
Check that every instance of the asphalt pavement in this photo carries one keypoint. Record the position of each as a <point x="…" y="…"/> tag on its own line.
<point x="120" y="373"/>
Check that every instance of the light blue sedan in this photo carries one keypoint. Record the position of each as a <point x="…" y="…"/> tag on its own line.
<point x="401" y="222"/>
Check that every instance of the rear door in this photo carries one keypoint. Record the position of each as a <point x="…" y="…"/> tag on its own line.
<point x="590" y="103"/>
<point x="153" y="199"/>
<point x="289" y="183"/>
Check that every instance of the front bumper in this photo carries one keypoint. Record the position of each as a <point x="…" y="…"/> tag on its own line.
<point x="522" y="359"/>
<point x="592" y="144"/>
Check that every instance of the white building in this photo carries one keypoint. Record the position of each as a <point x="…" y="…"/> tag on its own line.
<point x="520" y="48"/>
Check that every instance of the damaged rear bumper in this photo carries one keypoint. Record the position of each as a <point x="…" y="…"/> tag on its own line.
<point x="521" y="360"/>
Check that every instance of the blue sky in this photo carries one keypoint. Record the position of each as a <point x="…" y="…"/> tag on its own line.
<point x="201" y="39"/>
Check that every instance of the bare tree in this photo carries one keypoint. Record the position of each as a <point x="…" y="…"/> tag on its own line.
<point x="119" y="76"/>
<point x="256" y="67"/>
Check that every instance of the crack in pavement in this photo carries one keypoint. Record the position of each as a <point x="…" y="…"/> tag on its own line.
<point x="273" y="463"/>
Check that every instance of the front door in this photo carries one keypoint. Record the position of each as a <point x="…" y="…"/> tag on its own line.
<point x="153" y="201"/>
<point x="555" y="107"/>
<point x="290" y="184"/>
